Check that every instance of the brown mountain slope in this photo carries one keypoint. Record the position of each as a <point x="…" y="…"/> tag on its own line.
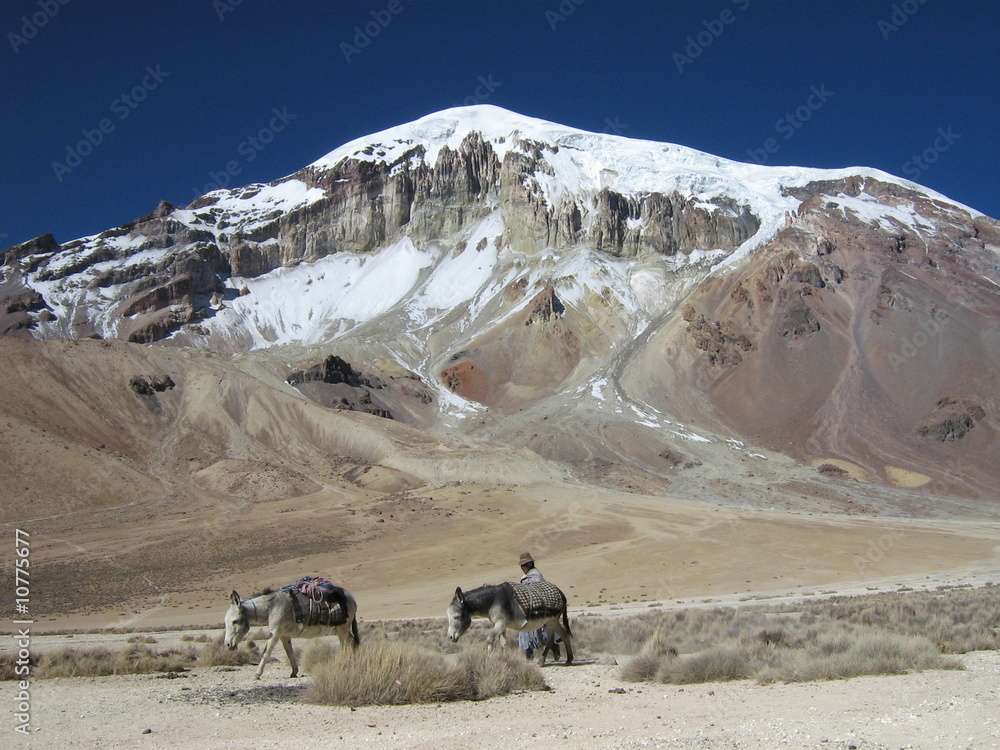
<point x="837" y="340"/>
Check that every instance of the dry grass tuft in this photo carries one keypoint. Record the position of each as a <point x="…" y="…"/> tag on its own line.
<point x="318" y="652"/>
<point x="501" y="672"/>
<point x="727" y="662"/>
<point x="646" y="664"/>
<point x="100" y="662"/>
<point x="866" y="653"/>
<point x="215" y="654"/>
<point x="830" y="639"/>
<point x="137" y="658"/>
<point x="394" y="673"/>
<point x="8" y="665"/>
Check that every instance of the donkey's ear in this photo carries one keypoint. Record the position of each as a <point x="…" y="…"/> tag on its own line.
<point x="459" y="595"/>
<point x="234" y="597"/>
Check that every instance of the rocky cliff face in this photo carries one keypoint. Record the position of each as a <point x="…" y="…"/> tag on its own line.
<point x="512" y="274"/>
<point x="161" y="269"/>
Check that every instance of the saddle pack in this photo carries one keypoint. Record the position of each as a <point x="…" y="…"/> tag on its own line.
<point x="538" y="600"/>
<point x="317" y="601"/>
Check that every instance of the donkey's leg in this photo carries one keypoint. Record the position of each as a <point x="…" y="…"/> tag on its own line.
<point x="290" y="653"/>
<point x="342" y="636"/>
<point x="271" y="643"/>
<point x="499" y="628"/>
<point x="549" y="638"/>
<point x="551" y="647"/>
<point x="567" y="640"/>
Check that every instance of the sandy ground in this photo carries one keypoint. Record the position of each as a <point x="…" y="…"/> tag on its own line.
<point x="402" y="557"/>
<point x="229" y="709"/>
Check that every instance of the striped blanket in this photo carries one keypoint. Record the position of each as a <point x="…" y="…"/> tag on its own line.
<point x="539" y="600"/>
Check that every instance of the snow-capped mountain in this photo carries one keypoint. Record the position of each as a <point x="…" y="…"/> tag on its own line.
<point x="514" y="267"/>
<point x="513" y="182"/>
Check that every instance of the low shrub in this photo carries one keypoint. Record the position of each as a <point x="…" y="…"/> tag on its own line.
<point x="215" y="654"/>
<point x="840" y="652"/>
<point x="100" y="662"/>
<point x="395" y="672"/>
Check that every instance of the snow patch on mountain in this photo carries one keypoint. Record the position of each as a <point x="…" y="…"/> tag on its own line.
<point x="247" y="208"/>
<point x="872" y="211"/>
<point x="459" y="277"/>
<point x="303" y="303"/>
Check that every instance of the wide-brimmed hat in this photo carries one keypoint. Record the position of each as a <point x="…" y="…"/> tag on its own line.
<point x="526" y="558"/>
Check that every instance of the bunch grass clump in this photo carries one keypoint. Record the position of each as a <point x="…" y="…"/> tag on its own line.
<point x="102" y="662"/>
<point x="396" y="672"/>
<point x="136" y="658"/>
<point x="215" y="654"/>
<point x="829" y="639"/>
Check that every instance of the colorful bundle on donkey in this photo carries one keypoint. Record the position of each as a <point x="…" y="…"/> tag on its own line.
<point x="317" y="601"/>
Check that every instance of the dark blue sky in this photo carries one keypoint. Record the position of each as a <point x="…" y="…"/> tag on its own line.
<point x="895" y="86"/>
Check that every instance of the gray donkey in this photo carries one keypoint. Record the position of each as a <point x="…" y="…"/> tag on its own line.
<point x="282" y="615"/>
<point x="514" y="606"/>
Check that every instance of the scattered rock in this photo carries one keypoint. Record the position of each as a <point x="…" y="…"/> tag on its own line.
<point x="148" y="385"/>
<point x="334" y="370"/>
<point x="807" y="273"/>
<point x="799" y="321"/>
<point x="545" y="306"/>
<point x="42" y="244"/>
<point x="723" y="344"/>
<point x="27" y="301"/>
<point x="951" y="419"/>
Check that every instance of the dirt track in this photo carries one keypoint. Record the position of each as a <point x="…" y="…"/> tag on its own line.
<point x="213" y="709"/>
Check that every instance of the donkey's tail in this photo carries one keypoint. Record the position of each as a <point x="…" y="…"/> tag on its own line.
<point x="355" y="638"/>
<point x="565" y="620"/>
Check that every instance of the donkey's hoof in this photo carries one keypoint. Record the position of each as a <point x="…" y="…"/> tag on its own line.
<point x="293" y="675"/>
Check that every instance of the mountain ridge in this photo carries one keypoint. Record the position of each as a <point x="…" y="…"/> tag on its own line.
<point x="522" y="271"/>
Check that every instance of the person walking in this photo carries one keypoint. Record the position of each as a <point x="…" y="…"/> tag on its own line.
<point x="531" y="573"/>
<point x="530" y="640"/>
